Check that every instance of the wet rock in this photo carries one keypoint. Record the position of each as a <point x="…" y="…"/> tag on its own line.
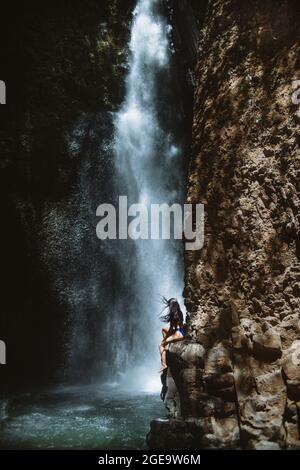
<point x="291" y="362"/>
<point x="292" y="436"/>
<point x="202" y="433"/>
<point x="222" y="434"/>
<point x="242" y="289"/>
<point x="293" y="389"/>
<point x="174" y="434"/>
<point x="264" y="445"/>
<point x="186" y="363"/>
<point x="267" y="346"/>
<point x="172" y="399"/>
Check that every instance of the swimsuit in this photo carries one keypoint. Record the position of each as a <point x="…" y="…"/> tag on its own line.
<point x="181" y="330"/>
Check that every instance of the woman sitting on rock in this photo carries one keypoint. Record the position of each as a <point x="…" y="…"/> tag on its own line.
<point x="175" y="332"/>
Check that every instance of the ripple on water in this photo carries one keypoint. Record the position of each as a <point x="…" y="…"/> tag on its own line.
<point x="96" y="419"/>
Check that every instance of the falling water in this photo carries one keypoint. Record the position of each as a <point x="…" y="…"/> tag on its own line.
<point x="148" y="170"/>
<point x="114" y="287"/>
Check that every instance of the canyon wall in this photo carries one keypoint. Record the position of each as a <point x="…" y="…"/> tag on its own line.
<point x="64" y="65"/>
<point x="235" y="382"/>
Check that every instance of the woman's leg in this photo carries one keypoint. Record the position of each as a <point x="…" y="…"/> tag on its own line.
<point x="162" y="349"/>
<point x="163" y="355"/>
<point x="177" y="336"/>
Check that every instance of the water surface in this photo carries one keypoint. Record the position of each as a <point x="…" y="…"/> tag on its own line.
<point x="85" y="417"/>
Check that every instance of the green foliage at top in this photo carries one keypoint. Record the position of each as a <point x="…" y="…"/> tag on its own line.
<point x="74" y="53"/>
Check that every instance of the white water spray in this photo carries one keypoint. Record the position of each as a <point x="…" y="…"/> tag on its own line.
<point x="148" y="171"/>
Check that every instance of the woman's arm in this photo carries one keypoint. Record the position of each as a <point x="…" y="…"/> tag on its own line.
<point x="165" y="332"/>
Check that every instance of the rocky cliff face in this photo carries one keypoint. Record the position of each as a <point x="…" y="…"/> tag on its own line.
<point x="237" y="376"/>
<point x="64" y="65"/>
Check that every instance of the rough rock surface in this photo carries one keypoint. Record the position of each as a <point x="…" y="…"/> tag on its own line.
<point x="238" y="374"/>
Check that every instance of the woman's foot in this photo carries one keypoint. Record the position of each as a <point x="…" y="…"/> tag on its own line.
<point x="163" y="367"/>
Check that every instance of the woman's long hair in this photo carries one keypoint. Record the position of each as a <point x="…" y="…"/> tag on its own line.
<point x="174" y="316"/>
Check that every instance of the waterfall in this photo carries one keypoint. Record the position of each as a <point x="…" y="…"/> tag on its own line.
<point x="148" y="164"/>
<point x="112" y="288"/>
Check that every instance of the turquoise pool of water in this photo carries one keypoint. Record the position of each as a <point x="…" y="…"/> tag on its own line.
<point x="84" y="417"/>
